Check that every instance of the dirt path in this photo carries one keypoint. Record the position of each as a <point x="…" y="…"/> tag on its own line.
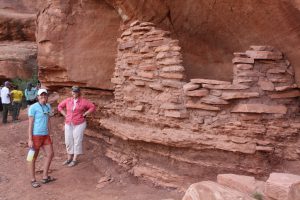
<point x="72" y="183"/>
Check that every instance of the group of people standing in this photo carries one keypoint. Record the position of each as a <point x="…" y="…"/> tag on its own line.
<point x="74" y="109"/>
<point x="12" y="97"/>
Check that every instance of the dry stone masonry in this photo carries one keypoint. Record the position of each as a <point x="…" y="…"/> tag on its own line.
<point x="193" y="125"/>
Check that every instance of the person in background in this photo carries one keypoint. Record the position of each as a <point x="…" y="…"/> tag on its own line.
<point x="30" y="94"/>
<point x="76" y="110"/>
<point x="6" y="102"/>
<point x="39" y="132"/>
<point x="1" y="108"/>
<point x="38" y="85"/>
<point x="16" y="96"/>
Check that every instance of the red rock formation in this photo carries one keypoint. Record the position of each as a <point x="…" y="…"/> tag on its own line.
<point x="77" y="43"/>
<point x="242" y="117"/>
<point x="22" y="6"/>
<point x="17" y="60"/>
<point x="161" y="125"/>
<point x="17" y="26"/>
<point x="279" y="186"/>
<point x="209" y="31"/>
<point x="17" y="39"/>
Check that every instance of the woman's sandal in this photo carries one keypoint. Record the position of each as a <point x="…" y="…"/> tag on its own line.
<point x="66" y="162"/>
<point x="48" y="180"/>
<point x="35" y="184"/>
<point x="73" y="163"/>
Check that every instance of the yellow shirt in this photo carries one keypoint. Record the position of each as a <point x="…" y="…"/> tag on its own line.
<point x="16" y="95"/>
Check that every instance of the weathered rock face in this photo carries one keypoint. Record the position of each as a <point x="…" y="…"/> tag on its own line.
<point x="17" y="39"/>
<point x="77" y="43"/>
<point x="196" y="124"/>
<point x="22" y="6"/>
<point x="208" y="38"/>
<point x="17" y="26"/>
<point x="209" y="31"/>
<point x="17" y="59"/>
<point x="168" y="122"/>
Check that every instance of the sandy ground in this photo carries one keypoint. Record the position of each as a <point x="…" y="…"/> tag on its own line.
<point x="79" y="182"/>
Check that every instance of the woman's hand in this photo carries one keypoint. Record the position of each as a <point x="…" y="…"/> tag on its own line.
<point x="63" y="113"/>
<point x="85" y="114"/>
<point x="30" y="143"/>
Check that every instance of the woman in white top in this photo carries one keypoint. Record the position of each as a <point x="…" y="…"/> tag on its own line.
<point x="5" y="98"/>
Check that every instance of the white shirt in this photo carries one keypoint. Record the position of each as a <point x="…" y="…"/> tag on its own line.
<point x="74" y="104"/>
<point x="4" y="95"/>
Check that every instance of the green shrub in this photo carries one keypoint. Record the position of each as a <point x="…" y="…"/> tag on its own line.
<point x="257" y="196"/>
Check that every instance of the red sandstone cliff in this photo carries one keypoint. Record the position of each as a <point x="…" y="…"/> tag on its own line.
<point x="17" y="39"/>
<point x="160" y="124"/>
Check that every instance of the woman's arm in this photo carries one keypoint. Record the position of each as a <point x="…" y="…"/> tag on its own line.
<point x="30" y="128"/>
<point x="61" y="107"/>
<point x="49" y="126"/>
<point x="90" y="108"/>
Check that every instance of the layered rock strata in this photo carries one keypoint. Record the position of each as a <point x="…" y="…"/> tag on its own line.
<point x="76" y="35"/>
<point x="17" y="40"/>
<point x="77" y="43"/>
<point x="17" y="59"/>
<point x="209" y="30"/>
<point x="172" y="131"/>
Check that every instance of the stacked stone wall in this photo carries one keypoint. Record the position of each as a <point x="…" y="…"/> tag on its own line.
<point x="253" y="119"/>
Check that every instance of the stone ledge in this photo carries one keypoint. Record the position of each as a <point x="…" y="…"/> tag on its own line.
<point x="259" y="108"/>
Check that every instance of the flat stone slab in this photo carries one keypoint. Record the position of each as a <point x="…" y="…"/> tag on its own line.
<point x="209" y="81"/>
<point x="208" y="190"/>
<point x="197" y="93"/>
<point x="265" y="55"/>
<point x="281" y="186"/>
<point x="237" y="60"/>
<point x="244" y="66"/>
<point x="286" y="87"/>
<point x="287" y="94"/>
<point x="176" y="114"/>
<point x="190" y="86"/>
<point x="244" y="184"/>
<point x="213" y="100"/>
<point x="201" y="106"/>
<point x="259" y="108"/>
<point x="239" y="95"/>
<point x="226" y="87"/>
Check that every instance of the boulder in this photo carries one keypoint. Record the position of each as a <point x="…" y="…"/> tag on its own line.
<point x="208" y="190"/>
<point x="241" y="183"/>
<point x="282" y="186"/>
